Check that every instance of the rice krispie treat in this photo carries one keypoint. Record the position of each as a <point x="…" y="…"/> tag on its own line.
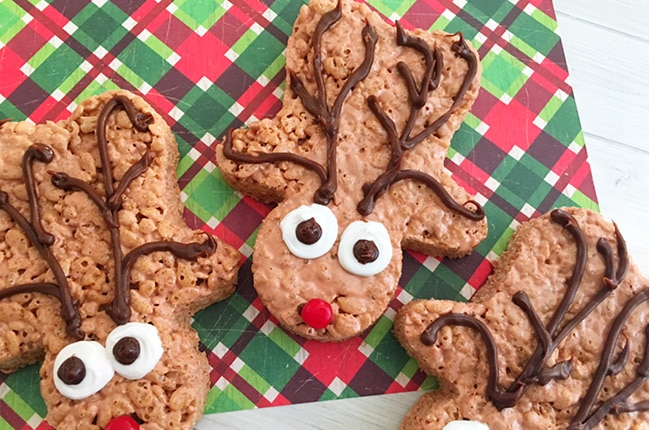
<point x="99" y="275"/>
<point x="556" y="339"/>
<point x="355" y="161"/>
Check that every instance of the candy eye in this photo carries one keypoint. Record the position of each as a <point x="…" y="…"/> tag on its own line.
<point x="134" y="349"/>
<point x="81" y="369"/>
<point x="309" y="231"/>
<point x="365" y="248"/>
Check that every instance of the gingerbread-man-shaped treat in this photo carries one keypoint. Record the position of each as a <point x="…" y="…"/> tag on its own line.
<point x="99" y="275"/>
<point x="556" y="339"/>
<point x="355" y="160"/>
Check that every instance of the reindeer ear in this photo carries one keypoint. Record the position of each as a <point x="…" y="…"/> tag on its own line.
<point x="560" y="323"/>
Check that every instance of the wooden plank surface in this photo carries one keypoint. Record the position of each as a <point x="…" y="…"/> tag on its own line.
<point x="606" y="45"/>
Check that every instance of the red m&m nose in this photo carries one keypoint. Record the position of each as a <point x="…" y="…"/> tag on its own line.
<point x="123" y="422"/>
<point x="317" y="313"/>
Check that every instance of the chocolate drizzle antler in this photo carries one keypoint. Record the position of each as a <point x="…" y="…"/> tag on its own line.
<point x="586" y="419"/>
<point x="188" y="251"/>
<point x="494" y="391"/>
<point x="328" y="117"/>
<point x="551" y="335"/>
<point x="399" y="143"/>
<point x="119" y="309"/>
<point x="41" y="240"/>
<point x="612" y="278"/>
<point x="44" y="154"/>
<point x="109" y="206"/>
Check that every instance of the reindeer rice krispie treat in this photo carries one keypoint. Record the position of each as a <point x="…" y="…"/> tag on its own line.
<point x="556" y="339"/>
<point x="99" y="275"/>
<point x="355" y="161"/>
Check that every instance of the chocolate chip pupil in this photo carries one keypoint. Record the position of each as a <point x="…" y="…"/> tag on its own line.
<point x="72" y="371"/>
<point x="126" y="350"/>
<point x="308" y="232"/>
<point x="365" y="251"/>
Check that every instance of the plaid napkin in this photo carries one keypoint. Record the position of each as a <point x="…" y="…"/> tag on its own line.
<point x="207" y="66"/>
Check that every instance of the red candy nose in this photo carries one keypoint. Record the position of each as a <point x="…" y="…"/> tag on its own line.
<point x="317" y="313"/>
<point x="123" y="422"/>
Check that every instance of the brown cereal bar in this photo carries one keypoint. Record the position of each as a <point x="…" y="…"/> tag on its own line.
<point x="92" y="240"/>
<point x="556" y="339"/>
<point x="355" y="161"/>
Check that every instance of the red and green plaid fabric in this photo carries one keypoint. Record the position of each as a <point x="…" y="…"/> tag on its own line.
<point x="207" y="66"/>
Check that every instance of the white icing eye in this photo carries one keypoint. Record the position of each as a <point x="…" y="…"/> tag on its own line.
<point x="134" y="349"/>
<point x="365" y="248"/>
<point x="465" y="425"/>
<point x="309" y="231"/>
<point x="81" y="369"/>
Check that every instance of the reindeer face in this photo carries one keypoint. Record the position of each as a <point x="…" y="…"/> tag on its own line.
<point x="323" y="289"/>
<point x="356" y="158"/>
<point x="557" y="338"/>
<point x="100" y="275"/>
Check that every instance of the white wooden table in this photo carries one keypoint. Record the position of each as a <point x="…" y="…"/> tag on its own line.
<point x="606" y="45"/>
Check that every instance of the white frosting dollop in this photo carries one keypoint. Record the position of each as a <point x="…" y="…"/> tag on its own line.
<point x="325" y="219"/>
<point x="151" y="349"/>
<point x="465" y="425"/>
<point x="98" y="369"/>
<point x="365" y="230"/>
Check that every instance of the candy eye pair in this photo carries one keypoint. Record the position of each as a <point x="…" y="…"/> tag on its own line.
<point x="310" y="232"/>
<point x="83" y="368"/>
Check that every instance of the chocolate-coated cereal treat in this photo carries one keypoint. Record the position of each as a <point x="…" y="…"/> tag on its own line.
<point x="556" y="339"/>
<point x="99" y="275"/>
<point x="355" y="160"/>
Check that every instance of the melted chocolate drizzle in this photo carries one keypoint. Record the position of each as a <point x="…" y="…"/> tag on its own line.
<point x="495" y="393"/>
<point x="328" y="117"/>
<point x="587" y="417"/>
<point x="551" y="335"/>
<point x="109" y="206"/>
<point x="402" y="142"/>
<point x="41" y="240"/>
<point x="44" y="154"/>
<point x="120" y="309"/>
